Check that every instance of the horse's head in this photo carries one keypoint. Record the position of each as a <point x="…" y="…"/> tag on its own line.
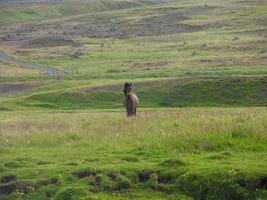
<point x="127" y="88"/>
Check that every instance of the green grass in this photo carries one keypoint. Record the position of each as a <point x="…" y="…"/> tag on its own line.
<point x="198" y="153"/>
<point x="192" y="92"/>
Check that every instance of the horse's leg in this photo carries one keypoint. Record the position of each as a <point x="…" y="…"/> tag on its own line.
<point x="129" y="110"/>
<point x="132" y="110"/>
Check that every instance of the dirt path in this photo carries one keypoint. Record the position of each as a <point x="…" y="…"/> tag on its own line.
<point x="48" y="70"/>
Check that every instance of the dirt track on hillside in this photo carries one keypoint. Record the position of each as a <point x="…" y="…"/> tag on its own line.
<point x="48" y="70"/>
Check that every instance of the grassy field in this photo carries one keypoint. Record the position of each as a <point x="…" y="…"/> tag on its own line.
<point x="207" y="153"/>
<point x="198" y="67"/>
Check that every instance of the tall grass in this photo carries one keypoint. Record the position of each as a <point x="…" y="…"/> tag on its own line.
<point x="195" y="129"/>
<point x="218" y="146"/>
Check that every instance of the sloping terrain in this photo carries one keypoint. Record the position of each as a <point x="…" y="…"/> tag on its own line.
<point x="15" y="11"/>
<point x="201" y="92"/>
<point x="49" y="70"/>
<point x="160" y="40"/>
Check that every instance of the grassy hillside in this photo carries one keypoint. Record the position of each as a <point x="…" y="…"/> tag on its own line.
<point x="235" y="91"/>
<point x="15" y="12"/>
<point x="162" y="40"/>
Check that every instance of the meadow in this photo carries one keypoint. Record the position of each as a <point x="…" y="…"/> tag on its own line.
<point x="198" y="67"/>
<point x="194" y="153"/>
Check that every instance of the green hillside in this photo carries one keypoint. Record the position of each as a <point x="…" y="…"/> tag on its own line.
<point x="197" y="92"/>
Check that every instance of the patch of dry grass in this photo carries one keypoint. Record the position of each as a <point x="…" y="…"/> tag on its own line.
<point x="13" y="71"/>
<point x="155" y="127"/>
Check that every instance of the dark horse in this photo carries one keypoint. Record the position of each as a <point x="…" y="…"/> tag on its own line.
<point x="130" y="100"/>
